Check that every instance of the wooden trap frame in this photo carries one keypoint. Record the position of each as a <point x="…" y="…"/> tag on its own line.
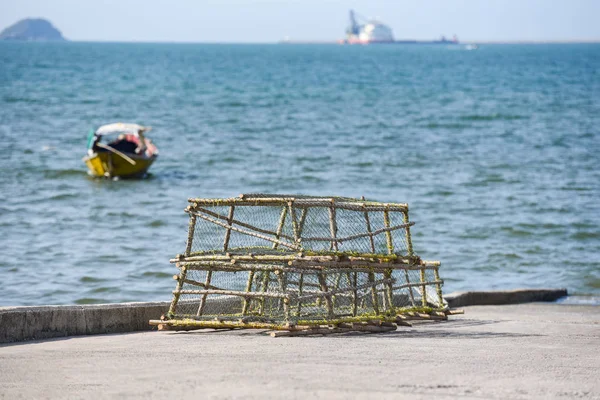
<point x="301" y="265"/>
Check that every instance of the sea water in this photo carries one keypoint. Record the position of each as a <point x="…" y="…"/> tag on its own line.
<point x="496" y="150"/>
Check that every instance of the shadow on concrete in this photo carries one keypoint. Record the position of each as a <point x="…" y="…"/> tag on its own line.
<point x="451" y="334"/>
<point x="455" y="323"/>
<point x="429" y="329"/>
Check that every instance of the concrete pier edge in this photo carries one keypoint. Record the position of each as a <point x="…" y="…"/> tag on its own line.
<point x="44" y="322"/>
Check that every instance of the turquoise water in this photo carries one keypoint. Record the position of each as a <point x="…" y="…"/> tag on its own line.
<point x="497" y="151"/>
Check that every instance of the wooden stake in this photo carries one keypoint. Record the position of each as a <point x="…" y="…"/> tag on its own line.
<point x="319" y="258"/>
<point x="239" y="293"/>
<point x="388" y="234"/>
<point x="301" y="283"/>
<point x="390" y="248"/>
<point x="228" y="230"/>
<point x="332" y="228"/>
<point x="423" y="288"/>
<point x="182" y="277"/>
<point x="369" y="231"/>
<point x="188" y="324"/>
<point x="295" y="227"/>
<point x="409" y="249"/>
<point x="354" y="294"/>
<point x="325" y="289"/>
<point x="196" y="283"/>
<point x="280" y="227"/>
<point x="345" y="204"/>
<point x="190" y="238"/>
<point x="388" y="289"/>
<point x="285" y="301"/>
<point x="327" y="269"/>
<point x="374" y="292"/>
<point x="248" y="289"/>
<point x="265" y="286"/>
<point x="203" y="299"/>
<point x="300" y="288"/>
<point x="302" y="220"/>
<point x="410" y="288"/>
<point x="336" y="286"/>
<point x="438" y="286"/>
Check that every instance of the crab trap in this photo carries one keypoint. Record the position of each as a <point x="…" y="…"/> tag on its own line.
<point x="301" y="265"/>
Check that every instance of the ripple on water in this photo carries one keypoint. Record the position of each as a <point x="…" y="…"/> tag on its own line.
<point x="232" y="104"/>
<point x="534" y="250"/>
<point x="576" y="189"/>
<point x="156" y="223"/>
<point x="515" y="232"/>
<point x="492" y="117"/>
<point x="506" y="256"/>
<point x="439" y="125"/>
<point x="63" y="173"/>
<point x="63" y="196"/>
<point x="593" y="283"/>
<point x="92" y="300"/>
<point x="585" y="235"/>
<point x="91" y="279"/>
<point x="363" y="164"/>
<point x="105" y="289"/>
<point x="15" y="99"/>
<point x="156" y="274"/>
<point x="442" y="193"/>
<point x="312" y="179"/>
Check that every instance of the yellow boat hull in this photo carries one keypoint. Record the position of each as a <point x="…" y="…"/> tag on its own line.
<point x="106" y="164"/>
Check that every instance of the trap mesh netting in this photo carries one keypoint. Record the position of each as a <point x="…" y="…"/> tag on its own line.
<point x="298" y="262"/>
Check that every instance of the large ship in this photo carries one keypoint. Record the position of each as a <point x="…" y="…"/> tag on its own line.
<point x="371" y="31"/>
<point x="363" y="30"/>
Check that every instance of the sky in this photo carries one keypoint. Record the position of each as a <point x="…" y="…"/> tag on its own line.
<point x="243" y="21"/>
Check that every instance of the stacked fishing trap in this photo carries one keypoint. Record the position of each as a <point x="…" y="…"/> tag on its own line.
<point x="301" y="265"/>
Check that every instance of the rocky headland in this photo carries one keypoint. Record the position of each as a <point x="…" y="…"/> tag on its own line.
<point x="32" y="29"/>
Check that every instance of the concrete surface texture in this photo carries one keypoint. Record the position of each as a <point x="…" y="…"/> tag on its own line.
<point x="511" y="351"/>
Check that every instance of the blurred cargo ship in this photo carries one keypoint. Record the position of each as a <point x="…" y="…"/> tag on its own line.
<point x="372" y="31"/>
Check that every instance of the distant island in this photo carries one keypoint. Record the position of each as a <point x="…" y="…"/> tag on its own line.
<point x="32" y="29"/>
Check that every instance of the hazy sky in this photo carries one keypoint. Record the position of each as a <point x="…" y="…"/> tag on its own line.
<point x="272" y="20"/>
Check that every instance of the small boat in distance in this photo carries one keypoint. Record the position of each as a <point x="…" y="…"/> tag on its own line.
<point x="129" y="155"/>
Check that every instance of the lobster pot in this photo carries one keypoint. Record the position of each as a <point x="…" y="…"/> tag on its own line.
<point x="283" y="261"/>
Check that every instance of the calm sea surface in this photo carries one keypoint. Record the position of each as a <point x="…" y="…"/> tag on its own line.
<point x="497" y="151"/>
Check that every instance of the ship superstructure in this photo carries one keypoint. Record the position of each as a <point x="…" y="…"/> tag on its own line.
<point x="370" y="31"/>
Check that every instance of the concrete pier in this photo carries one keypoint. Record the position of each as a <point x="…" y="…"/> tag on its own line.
<point x="525" y="351"/>
<point x="44" y="322"/>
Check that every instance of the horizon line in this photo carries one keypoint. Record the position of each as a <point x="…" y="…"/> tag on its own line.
<point x="319" y="42"/>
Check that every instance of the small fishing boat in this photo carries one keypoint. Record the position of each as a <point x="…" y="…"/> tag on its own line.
<point x="129" y="155"/>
